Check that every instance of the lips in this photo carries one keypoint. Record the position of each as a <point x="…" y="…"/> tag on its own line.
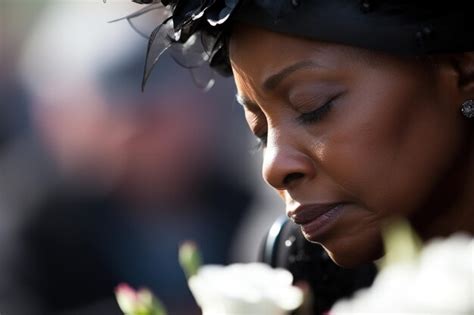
<point x="315" y="219"/>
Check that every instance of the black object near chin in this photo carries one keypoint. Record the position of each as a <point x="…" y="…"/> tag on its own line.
<point x="285" y="247"/>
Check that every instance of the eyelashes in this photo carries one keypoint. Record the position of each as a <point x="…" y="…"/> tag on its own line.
<point x="317" y="114"/>
<point x="308" y="118"/>
<point x="261" y="142"/>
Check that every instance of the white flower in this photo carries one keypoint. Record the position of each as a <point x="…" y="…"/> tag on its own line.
<point x="440" y="281"/>
<point x="245" y="289"/>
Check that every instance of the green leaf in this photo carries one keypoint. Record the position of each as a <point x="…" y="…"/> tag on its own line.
<point x="190" y="258"/>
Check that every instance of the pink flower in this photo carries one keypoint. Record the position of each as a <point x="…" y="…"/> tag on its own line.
<point x="141" y="302"/>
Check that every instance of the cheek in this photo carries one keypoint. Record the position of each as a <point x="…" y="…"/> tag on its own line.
<point x="389" y="148"/>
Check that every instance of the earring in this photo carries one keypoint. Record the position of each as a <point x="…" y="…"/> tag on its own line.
<point x="467" y="108"/>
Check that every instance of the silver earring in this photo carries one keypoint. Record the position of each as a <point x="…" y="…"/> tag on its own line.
<point x="467" y="108"/>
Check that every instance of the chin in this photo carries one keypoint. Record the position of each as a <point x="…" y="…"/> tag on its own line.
<point x="351" y="254"/>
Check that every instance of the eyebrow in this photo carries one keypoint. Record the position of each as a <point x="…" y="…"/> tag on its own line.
<point x="272" y="81"/>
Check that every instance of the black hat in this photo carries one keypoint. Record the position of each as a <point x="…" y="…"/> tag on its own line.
<point x="198" y="30"/>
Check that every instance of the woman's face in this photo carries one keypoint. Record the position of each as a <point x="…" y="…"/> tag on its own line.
<point x="349" y="137"/>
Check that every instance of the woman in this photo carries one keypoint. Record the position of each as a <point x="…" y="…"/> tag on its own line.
<point x="364" y="108"/>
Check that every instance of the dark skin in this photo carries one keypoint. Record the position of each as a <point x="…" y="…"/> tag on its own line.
<point x="383" y="135"/>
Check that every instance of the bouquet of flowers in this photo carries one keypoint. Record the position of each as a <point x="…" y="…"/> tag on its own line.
<point x="237" y="289"/>
<point x="437" y="278"/>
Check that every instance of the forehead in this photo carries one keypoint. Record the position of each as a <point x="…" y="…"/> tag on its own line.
<point x="256" y="54"/>
<point x="253" y="48"/>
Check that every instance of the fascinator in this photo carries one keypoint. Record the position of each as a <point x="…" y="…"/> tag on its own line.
<point x="197" y="31"/>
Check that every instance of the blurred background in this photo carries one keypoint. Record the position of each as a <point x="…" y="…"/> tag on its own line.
<point x="99" y="182"/>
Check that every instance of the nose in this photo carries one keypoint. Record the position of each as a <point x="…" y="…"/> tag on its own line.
<point x="285" y="165"/>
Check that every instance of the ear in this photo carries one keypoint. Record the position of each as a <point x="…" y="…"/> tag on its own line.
<point x="463" y="63"/>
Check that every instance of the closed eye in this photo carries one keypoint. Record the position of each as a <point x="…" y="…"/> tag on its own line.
<point x="317" y="114"/>
<point x="261" y="142"/>
<point x="304" y="118"/>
